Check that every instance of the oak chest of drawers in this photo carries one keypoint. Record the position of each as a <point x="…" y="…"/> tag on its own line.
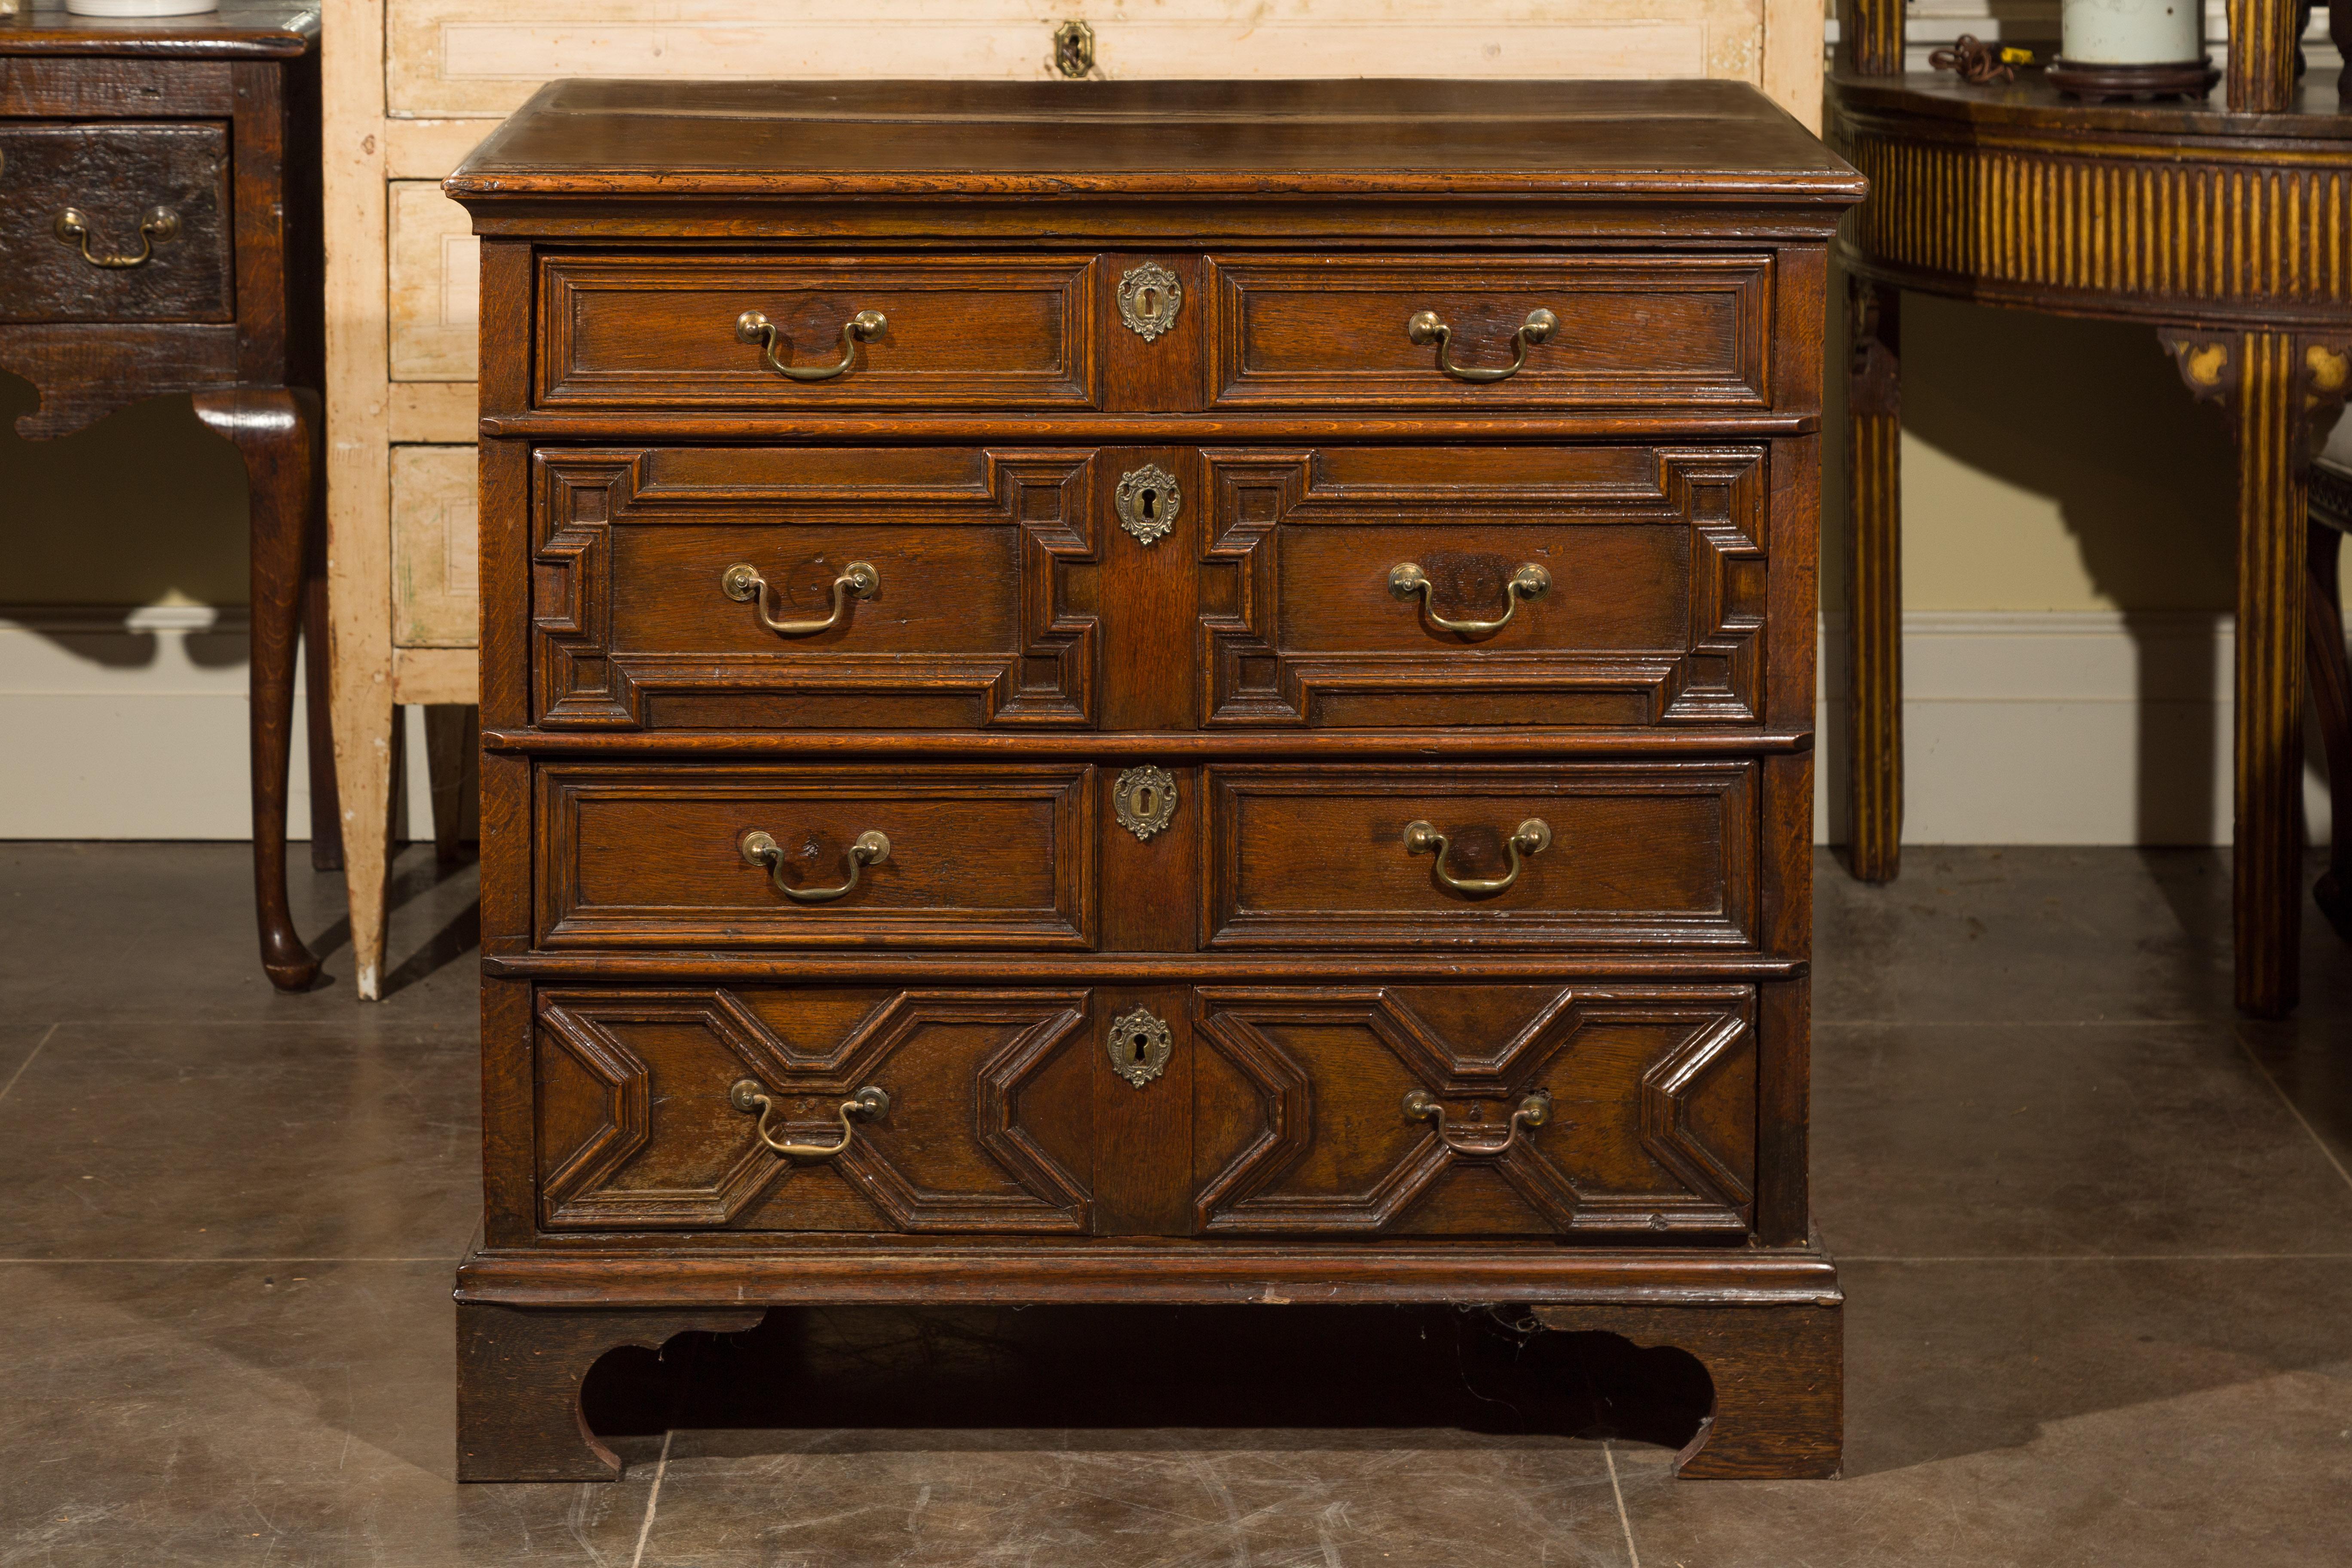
<point x="1148" y="692"/>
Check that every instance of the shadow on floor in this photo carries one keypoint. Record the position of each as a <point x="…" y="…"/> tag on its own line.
<point x="967" y="1374"/>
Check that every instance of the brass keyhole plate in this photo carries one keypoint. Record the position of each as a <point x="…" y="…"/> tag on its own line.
<point x="1144" y="799"/>
<point x="1147" y="502"/>
<point x="1148" y="297"/>
<point x="1139" y="1044"/>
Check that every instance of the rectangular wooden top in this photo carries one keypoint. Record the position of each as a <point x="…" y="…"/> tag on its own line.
<point x="239" y="29"/>
<point x="1692" y="141"/>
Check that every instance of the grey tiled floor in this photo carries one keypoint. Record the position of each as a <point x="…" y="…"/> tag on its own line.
<point x="2096" y="1236"/>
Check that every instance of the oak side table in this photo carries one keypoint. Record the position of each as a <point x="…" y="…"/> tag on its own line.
<point x="159" y="219"/>
<point x="2228" y="228"/>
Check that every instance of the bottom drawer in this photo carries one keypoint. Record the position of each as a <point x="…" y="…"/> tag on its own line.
<point x="1594" y="1108"/>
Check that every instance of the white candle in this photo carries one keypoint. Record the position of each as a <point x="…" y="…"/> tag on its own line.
<point x="2132" y="32"/>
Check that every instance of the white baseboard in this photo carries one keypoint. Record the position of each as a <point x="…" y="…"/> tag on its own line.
<point x="2022" y="728"/>
<point x="131" y="723"/>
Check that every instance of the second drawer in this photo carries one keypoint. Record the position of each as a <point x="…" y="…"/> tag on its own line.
<point x="1550" y="855"/>
<point x="887" y="855"/>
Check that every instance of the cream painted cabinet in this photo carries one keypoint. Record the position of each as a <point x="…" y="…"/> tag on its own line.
<point x="412" y="84"/>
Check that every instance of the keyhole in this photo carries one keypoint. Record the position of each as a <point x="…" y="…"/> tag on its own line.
<point x="1150" y="302"/>
<point x="1151" y="504"/>
<point x="1142" y="1042"/>
<point x="1143" y="800"/>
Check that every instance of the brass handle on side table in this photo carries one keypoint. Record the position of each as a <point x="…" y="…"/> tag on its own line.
<point x="1429" y="327"/>
<point x="1419" y="1105"/>
<point x="870" y="848"/>
<point x="858" y="579"/>
<point x="749" y="1094"/>
<point x="160" y="226"/>
<point x="1532" y="836"/>
<point x="751" y="327"/>
<point x="1530" y="581"/>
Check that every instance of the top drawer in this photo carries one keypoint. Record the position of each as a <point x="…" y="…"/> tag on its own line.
<point x="1473" y="334"/>
<point x="110" y="222"/>
<point x="811" y="334"/>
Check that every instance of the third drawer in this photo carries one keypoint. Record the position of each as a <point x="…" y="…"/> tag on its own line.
<point x="1052" y="856"/>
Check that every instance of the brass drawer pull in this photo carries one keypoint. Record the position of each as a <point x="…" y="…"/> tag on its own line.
<point x="1429" y="327"/>
<point x="160" y="226"/>
<point x="749" y="1094"/>
<point x="1532" y="836"/>
<point x="858" y="579"/>
<point x="751" y="327"/>
<point x="1529" y="582"/>
<point x="1419" y="1105"/>
<point x="870" y="848"/>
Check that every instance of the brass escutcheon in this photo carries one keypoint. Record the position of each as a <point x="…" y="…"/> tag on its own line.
<point x="1429" y="327"/>
<point x="751" y="327"/>
<point x="749" y="1094"/>
<point x="1145" y="800"/>
<point x="1147" y="501"/>
<point x="1139" y="1044"/>
<point x="1148" y="297"/>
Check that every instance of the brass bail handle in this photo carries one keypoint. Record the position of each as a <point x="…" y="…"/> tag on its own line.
<point x="1532" y="836"/>
<point x="161" y="226"/>
<point x="751" y="327"/>
<point x="749" y="1094"/>
<point x="1429" y="327"/>
<point x="869" y="849"/>
<point x="1419" y="1105"/>
<point x="743" y="584"/>
<point x="1528" y="580"/>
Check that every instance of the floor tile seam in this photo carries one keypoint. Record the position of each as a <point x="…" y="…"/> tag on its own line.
<point x="46" y="1036"/>
<point x="1616" y="1491"/>
<point x="652" y="1498"/>
<point x="2292" y="1108"/>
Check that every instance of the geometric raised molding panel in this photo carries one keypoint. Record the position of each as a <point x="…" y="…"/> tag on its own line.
<point x="630" y="547"/>
<point x="1661" y="553"/>
<point x="1673" y="1157"/>
<point x="951" y="1154"/>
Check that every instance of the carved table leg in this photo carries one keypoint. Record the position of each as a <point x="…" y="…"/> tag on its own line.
<point x="2331" y="700"/>
<point x="2272" y="513"/>
<point x="277" y="431"/>
<point x="2282" y="393"/>
<point x="519" y="1374"/>
<point x="1780" y="1383"/>
<point x="1875" y="585"/>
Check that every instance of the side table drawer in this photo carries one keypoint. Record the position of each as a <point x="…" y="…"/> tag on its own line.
<point x="816" y="856"/>
<point x="115" y="222"/>
<point x="1555" y="854"/>
<point x="1442" y="334"/>
<point x="894" y="331"/>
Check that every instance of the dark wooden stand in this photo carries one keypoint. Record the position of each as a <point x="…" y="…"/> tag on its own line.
<point x="223" y="304"/>
<point x="2015" y="195"/>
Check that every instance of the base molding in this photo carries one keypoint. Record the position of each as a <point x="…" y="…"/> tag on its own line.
<point x="1765" y="1323"/>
